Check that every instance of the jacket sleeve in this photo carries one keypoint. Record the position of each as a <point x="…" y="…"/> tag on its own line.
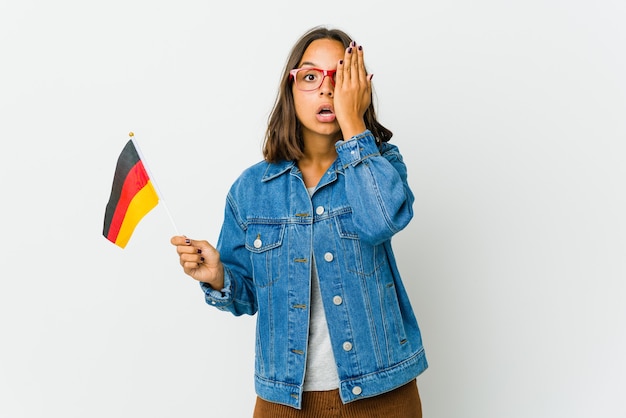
<point x="376" y="187"/>
<point x="237" y="296"/>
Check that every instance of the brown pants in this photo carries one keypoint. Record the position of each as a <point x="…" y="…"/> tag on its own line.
<point x="403" y="402"/>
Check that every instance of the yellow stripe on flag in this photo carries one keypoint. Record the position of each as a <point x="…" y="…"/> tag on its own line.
<point x="143" y="202"/>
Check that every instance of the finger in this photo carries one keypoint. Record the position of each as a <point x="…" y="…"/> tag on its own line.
<point x="357" y="70"/>
<point x="190" y="268"/>
<point x="347" y="62"/>
<point x="180" y="240"/>
<point x="189" y="251"/>
<point x="192" y="244"/>
<point x="339" y="74"/>
<point x="361" y="64"/>
<point x="355" y="61"/>
<point x="358" y="73"/>
<point x="191" y="261"/>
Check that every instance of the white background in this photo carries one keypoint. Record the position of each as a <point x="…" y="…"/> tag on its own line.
<point x="510" y="116"/>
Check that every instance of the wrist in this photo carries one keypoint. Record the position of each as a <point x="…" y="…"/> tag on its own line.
<point x="348" y="135"/>
<point x="351" y="130"/>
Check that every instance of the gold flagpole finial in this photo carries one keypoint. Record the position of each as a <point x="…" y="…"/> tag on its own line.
<point x="131" y="134"/>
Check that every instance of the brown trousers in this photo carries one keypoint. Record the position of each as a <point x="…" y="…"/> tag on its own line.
<point x="403" y="402"/>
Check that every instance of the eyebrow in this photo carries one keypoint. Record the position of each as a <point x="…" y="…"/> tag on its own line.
<point x="308" y="63"/>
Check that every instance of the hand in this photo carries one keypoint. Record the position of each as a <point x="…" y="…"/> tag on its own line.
<point x="200" y="260"/>
<point x="353" y="92"/>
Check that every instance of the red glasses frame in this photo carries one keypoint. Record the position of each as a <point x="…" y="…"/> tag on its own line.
<point x="325" y="73"/>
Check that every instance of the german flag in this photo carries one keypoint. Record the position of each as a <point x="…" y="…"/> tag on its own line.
<point x="132" y="196"/>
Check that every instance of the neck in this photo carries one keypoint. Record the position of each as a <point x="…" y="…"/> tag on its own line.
<point x="318" y="157"/>
<point x="319" y="148"/>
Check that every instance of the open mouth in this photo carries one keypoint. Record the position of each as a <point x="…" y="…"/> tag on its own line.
<point x="326" y="113"/>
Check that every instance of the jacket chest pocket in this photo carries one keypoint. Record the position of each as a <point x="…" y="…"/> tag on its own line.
<point x="360" y="258"/>
<point x="265" y="244"/>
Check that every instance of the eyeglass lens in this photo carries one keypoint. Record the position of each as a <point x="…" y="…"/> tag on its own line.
<point x="308" y="79"/>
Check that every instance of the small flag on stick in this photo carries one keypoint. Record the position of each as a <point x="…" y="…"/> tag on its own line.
<point x="133" y="195"/>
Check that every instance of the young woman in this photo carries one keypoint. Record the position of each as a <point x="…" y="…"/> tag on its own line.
<point x="306" y="246"/>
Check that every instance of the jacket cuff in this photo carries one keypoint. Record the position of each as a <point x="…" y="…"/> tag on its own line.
<point x="357" y="148"/>
<point x="218" y="298"/>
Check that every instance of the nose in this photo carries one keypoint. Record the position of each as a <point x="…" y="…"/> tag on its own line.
<point x="327" y="86"/>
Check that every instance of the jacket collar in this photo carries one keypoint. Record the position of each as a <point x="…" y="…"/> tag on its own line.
<point x="274" y="170"/>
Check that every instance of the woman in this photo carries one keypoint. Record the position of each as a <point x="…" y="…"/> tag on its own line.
<point x="306" y="246"/>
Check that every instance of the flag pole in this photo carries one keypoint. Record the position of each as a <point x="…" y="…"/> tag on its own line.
<point x="156" y="187"/>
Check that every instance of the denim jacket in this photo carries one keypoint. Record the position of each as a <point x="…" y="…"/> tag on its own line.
<point x="272" y="232"/>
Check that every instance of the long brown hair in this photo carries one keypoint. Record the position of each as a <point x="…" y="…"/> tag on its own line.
<point x="283" y="138"/>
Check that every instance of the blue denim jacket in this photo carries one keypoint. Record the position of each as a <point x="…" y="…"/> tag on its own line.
<point x="272" y="232"/>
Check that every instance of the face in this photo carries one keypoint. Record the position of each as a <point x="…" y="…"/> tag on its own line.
<point x="314" y="109"/>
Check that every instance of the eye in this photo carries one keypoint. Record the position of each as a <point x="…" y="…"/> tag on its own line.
<point x="308" y="76"/>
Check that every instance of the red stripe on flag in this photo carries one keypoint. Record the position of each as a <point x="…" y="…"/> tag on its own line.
<point x="136" y="180"/>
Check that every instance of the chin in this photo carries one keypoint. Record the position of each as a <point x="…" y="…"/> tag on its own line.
<point x="332" y="132"/>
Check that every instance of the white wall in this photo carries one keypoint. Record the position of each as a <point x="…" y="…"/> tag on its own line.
<point x="511" y="118"/>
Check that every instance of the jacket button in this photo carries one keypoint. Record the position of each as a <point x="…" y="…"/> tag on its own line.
<point x="257" y="243"/>
<point x="347" y="346"/>
<point x="337" y="300"/>
<point x="357" y="390"/>
<point x="319" y="210"/>
<point x="328" y="257"/>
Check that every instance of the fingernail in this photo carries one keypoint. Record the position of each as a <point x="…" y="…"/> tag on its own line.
<point x="340" y="62"/>
<point x="350" y="50"/>
<point x="371" y="76"/>
<point x="199" y="251"/>
<point x="187" y="241"/>
<point x="360" y="47"/>
<point x="202" y="259"/>
<point x="353" y="43"/>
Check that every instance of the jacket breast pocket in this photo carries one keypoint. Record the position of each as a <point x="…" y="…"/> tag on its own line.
<point x="265" y="244"/>
<point x="361" y="258"/>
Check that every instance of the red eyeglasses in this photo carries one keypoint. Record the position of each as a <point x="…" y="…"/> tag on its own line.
<point x="309" y="79"/>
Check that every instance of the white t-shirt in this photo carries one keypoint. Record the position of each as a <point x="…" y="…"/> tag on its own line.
<point x="321" y="370"/>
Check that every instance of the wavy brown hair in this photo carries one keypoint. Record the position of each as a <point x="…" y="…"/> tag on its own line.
<point x="283" y="138"/>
